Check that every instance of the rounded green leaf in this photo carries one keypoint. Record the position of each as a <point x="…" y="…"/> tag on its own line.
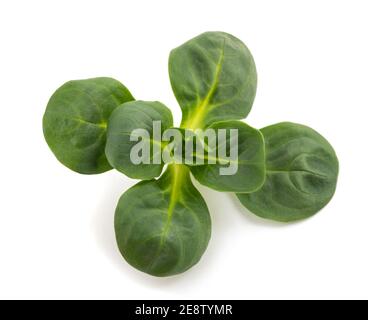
<point x="124" y="136"/>
<point x="75" y="122"/>
<point x="245" y="171"/>
<point x="302" y="171"/>
<point x="214" y="78"/>
<point x="163" y="226"/>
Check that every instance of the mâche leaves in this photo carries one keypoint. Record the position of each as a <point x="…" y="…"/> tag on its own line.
<point x="127" y="129"/>
<point x="284" y="172"/>
<point x="214" y="78"/>
<point x="75" y="122"/>
<point x="302" y="171"/>
<point x="163" y="226"/>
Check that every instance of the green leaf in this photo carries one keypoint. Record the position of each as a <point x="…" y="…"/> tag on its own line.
<point x="302" y="171"/>
<point x="163" y="226"/>
<point x="248" y="161"/>
<point x="75" y="122"/>
<point x="122" y="127"/>
<point x="214" y="78"/>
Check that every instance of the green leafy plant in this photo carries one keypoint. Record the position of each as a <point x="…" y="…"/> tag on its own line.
<point x="163" y="226"/>
<point x="123" y="121"/>
<point x="250" y="174"/>
<point x="75" y="122"/>
<point x="285" y="172"/>
<point x="302" y="170"/>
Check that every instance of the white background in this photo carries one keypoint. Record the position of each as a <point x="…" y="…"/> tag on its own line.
<point x="56" y="227"/>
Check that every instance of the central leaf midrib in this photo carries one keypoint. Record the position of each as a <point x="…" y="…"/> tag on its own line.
<point x="102" y="125"/>
<point x="282" y="171"/>
<point x="174" y="198"/>
<point x="201" y="109"/>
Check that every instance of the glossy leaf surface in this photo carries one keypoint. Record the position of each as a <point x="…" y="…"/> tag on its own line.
<point x="214" y="78"/>
<point x="302" y="171"/>
<point x="163" y="226"/>
<point x="75" y="122"/>
<point x="122" y="125"/>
